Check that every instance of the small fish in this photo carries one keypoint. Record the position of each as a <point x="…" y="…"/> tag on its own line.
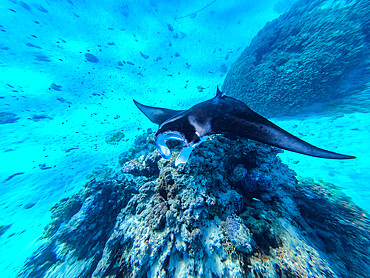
<point x="144" y="56"/>
<point x="12" y="176"/>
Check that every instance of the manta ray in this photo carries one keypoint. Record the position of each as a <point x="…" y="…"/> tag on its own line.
<point x="222" y="115"/>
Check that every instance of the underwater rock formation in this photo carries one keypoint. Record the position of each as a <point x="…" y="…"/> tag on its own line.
<point x="234" y="210"/>
<point x="114" y="137"/>
<point x="315" y="53"/>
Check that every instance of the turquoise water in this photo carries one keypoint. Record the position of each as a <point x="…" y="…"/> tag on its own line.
<point x="66" y="103"/>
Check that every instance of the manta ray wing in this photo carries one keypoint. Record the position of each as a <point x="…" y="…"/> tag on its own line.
<point x="155" y="114"/>
<point x="223" y="115"/>
<point x="248" y="124"/>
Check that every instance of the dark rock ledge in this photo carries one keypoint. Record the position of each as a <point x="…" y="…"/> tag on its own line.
<point x="234" y="210"/>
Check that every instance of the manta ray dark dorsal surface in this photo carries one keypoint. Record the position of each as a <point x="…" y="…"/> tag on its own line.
<point x="155" y="114"/>
<point x="223" y="115"/>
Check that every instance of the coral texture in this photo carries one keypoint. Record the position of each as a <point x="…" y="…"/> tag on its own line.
<point x="234" y="210"/>
<point x="315" y="53"/>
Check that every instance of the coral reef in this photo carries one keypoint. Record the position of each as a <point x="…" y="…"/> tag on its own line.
<point x="234" y="210"/>
<point x="142" y="145"/>
<point x="114" y="137"/>
<point x="315" y="53"/>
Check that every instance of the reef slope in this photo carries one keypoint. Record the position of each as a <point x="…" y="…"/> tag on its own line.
<point x="316" y="53"/>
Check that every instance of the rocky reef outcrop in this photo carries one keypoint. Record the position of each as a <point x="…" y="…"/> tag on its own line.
<point x="315" y="53"/>
<point x="234" y="210"/>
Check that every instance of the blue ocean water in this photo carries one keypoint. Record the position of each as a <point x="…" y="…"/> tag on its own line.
<point x="70" y="69"/>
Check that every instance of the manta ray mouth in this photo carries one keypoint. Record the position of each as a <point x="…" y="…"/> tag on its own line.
<point x="185" y="152"/>
<point x="161" y="144"/>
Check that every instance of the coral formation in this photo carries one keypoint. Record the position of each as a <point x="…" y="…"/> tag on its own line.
<point x="114" y="137"/>
<point x="234" y="210"/>
<point x="315" y="53"/>
<point x="142" y="145"/>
